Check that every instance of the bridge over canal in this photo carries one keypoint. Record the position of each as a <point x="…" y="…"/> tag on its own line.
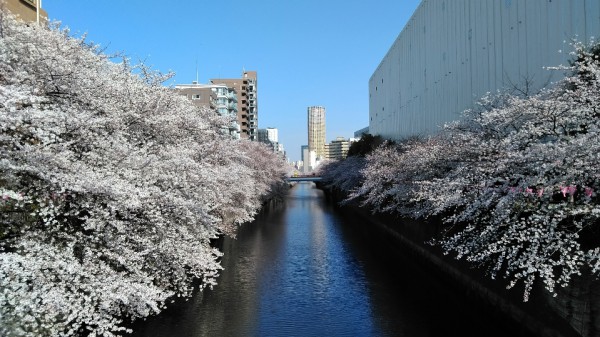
<point x="303" y="178"/>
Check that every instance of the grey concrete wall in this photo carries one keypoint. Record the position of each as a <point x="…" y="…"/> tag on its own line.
<point x="452" y="52"/>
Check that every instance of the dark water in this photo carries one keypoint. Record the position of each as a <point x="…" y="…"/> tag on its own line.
<point x="305" y="269"/>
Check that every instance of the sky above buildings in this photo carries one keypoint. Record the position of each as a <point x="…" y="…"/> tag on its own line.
<point x="306" y="52"/>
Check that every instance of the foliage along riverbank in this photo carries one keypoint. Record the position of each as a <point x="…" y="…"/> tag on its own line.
<point x="516" y="180"/>
<point x="112" y="187"/>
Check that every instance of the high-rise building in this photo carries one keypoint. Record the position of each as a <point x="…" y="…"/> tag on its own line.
<point x="246" y="90"/>
<point x="316" y="130"/>
<point x="27" y="10"/>
<point x="217" y="97"/>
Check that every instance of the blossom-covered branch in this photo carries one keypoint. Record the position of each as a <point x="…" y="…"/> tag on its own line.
<point x="517" y="180"/>
<point x="112" y="187"/>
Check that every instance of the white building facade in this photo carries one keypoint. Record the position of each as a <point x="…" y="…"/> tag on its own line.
<point x="452" y="52"/>
<point x="270" y="136"/>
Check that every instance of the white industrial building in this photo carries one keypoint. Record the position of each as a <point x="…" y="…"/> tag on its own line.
<point x="452" y="52"/>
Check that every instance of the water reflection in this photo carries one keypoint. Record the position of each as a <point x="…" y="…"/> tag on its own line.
<point x="304" y="269"/>
<point x="316" y="287"/>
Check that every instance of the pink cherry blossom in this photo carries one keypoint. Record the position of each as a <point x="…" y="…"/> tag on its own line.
<point x="564" y="190"/>
<point x="540" y="192"/>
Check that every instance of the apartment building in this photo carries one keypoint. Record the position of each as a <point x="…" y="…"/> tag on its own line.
<point x="337" y="149"/>
<point x="26" y="10"/>
<point x="216" y="97"/>
<point x="246" y="90"/>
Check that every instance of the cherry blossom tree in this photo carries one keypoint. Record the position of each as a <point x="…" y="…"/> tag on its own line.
<point x="344" y="175"/>
<point x="524" y="192"/>
<point x="516" y="180"/>
<point x="112" y="187"/>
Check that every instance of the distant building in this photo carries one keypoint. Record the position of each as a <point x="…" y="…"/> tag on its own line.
<point x="309" y="160"/>
<point x="337" y="149"/>
<point x="302" y="148"/>
<point x="270" y="136"/>
<point x="281" y="150"/>
<point x="216" y="97"/>
<point x="261" y="135"/>
<point x="27" y="10"/>
<point x="246" y="91"/>
<point x="359" y="133"/>
<point x="451" y="53"/>
<point x="273" y="134"/>
<point x="316" y="130"/>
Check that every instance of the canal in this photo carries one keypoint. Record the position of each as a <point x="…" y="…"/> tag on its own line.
<point x="304" y="268"/>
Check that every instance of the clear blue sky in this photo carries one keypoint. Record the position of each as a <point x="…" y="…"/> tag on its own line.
<point x="306" y="52"/>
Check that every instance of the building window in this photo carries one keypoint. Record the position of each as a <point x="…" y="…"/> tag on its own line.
<point x="30" y="2"/>
<point x="197" y="96"/>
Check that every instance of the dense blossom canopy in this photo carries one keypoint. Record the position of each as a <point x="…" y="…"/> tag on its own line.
<point x="517" y="180"/>
<point x="111" y="187"/>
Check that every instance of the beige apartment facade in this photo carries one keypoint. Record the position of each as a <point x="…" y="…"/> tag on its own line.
<point x="337" y="149"/>
<point x="217" y="97"/>
<point x="26" y="10"/>
<point x="246" y="89"/>
<point x="316" y="130"/>
<point x="201" y="95"/>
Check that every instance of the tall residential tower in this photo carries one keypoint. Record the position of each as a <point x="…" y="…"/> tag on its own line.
<point x="316" y="130"/>
<point x="246" y="90"/>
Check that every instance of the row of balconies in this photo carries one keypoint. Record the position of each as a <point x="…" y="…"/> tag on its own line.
<point x="249" y="105"/>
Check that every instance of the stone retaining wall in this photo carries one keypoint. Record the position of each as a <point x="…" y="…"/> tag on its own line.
<point x="572" y="313"/>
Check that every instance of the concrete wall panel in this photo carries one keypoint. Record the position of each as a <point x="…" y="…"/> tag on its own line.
<point x="452" y="52"/>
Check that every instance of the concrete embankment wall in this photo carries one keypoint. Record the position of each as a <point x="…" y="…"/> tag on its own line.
<point x="573" y="312"/>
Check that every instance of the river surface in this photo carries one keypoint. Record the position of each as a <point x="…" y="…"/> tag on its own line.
<point x="304" y="268"/>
